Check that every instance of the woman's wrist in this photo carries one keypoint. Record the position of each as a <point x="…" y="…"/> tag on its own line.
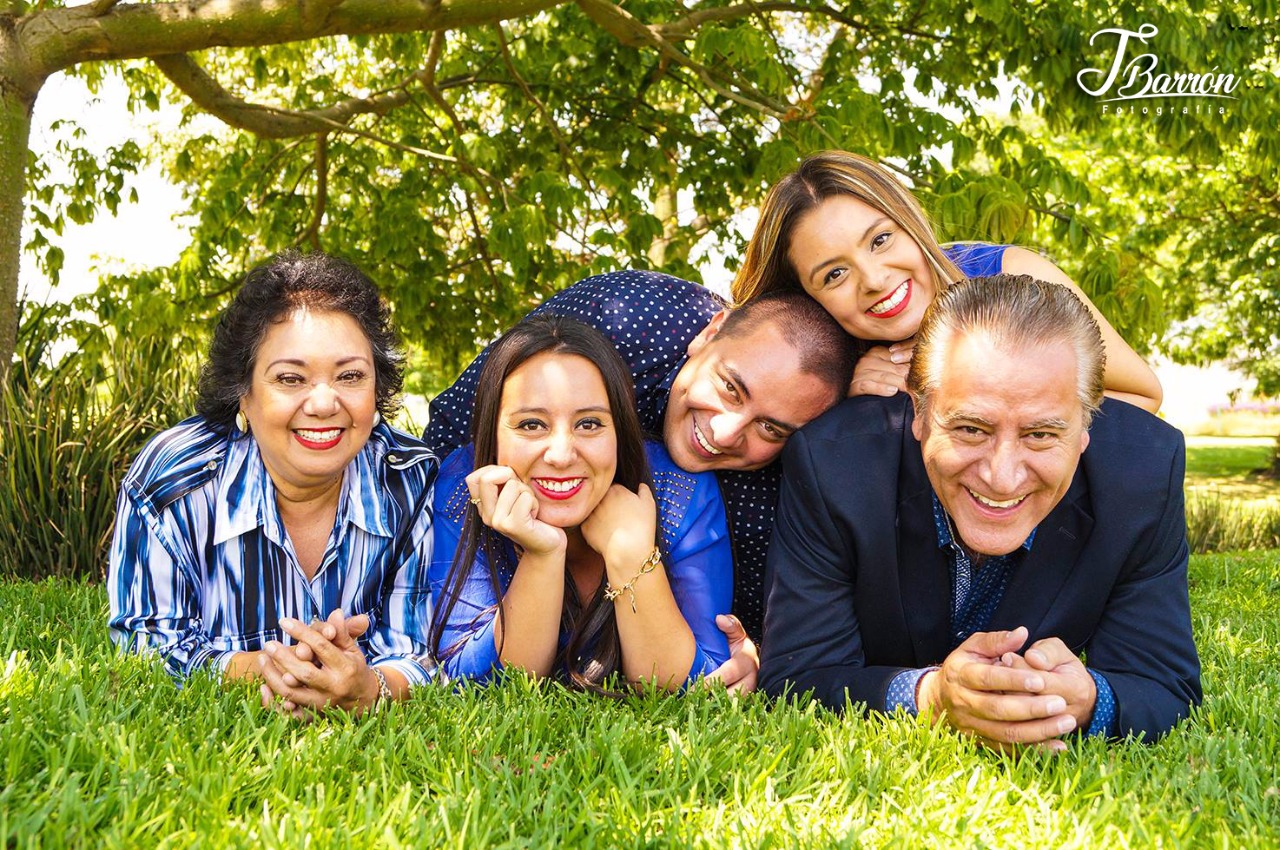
<point x="613" y="591"/>
<point x="371" y="693"/>
<point x="621" y="564"/>
<point x="552" y="562"/>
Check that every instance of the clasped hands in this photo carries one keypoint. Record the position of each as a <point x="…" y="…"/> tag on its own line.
<point x="1008" y="701"/>
<point x="325" y="667"/>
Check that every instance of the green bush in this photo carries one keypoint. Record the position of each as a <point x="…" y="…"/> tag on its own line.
<point x="67" y="435"/>
<point x="1220" y="524"/>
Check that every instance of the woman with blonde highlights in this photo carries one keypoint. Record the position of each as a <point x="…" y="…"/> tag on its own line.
<point x="843" y="229"/>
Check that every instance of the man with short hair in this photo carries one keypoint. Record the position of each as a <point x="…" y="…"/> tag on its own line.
<point x="725" y="389"/>
<point x="957" y="555"/>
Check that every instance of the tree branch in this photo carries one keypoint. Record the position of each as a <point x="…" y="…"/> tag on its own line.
<point x="428" y="74"/>
<point x="570" y="161"/>
<point x="623" y="26"/>
<point x="100" y="7"/>
<point x="427" y="78"/>
<point x="55" y="39"/>
<point x="684" y="27"/>
<point x="268" y="122"/>
<point x="312" y="233"/>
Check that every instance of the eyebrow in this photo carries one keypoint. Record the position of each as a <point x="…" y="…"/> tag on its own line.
<point x="1038" y="425"/>
<point x="950" y="419"/>
<point x="737" y="379"/>
<point x="746" y="393"/>
<point x="1052" y="423"/>
<point x="545" y="412"/>
<point x="294" y="361"/>
<point x="877" y="223"/>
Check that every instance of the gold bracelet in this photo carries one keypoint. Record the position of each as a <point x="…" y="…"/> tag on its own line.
<point x="650" y="564"/>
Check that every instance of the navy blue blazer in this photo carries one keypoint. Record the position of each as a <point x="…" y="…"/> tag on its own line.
<point x="859" y="589"/>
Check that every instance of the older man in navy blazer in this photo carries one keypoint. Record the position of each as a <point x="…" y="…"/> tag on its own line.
<point x="961" y="553"/>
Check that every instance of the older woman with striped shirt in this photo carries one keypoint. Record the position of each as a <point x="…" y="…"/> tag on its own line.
<point x="284" y="533"/>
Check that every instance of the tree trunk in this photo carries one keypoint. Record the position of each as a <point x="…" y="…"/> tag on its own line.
<point x="18" y="88"/>
<point x="666" y="209"/>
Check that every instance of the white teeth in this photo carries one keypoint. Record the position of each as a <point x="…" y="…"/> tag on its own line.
<point x="702" y="441"/>
<point x="558" y="486"/>
<point x="319" y="436"/>
<point x="892" y="301"/>
<point x="992" y="503"/>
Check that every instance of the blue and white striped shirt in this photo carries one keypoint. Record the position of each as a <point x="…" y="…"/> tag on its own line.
<point x="202" y="568"/>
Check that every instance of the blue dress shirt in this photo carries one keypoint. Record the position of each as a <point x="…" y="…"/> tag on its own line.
<point x="692" y="521"/>
<point x="975" y="595"/>
<point x="201" y="566"/>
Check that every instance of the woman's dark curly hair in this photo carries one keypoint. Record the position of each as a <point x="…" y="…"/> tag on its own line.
<point x="270" y="293"/>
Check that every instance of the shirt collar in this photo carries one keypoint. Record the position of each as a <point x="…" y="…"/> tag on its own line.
<point x="246" y="495"/>
<point x="942" y="523"/>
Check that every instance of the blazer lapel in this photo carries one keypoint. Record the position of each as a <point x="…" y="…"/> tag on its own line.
<point x="1037" y="582"/>
<point x="925" y="582"/>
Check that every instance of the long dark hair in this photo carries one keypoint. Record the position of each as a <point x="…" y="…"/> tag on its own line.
<point x="593" y="651"/>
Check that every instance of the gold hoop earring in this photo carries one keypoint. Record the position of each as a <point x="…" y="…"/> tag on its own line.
<point x="242" y="422"/>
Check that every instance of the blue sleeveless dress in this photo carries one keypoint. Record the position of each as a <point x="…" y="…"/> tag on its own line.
<point x="976" y="259"/>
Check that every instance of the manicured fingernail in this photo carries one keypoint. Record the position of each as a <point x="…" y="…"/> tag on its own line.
<point x="262" y="662"/>
<point x="1056" y="705"/>
<point x="271" y="649"/>
<point x="1034" y="683"/>
<point x="1066" y="724"/>
<point x="288" y="622"/>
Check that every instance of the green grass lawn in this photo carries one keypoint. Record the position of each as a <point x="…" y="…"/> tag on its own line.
<point x="104" y="751"/>
<point x="1226" y="466"/>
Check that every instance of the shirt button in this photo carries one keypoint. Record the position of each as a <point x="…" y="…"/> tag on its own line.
<point x="211" y="465"/>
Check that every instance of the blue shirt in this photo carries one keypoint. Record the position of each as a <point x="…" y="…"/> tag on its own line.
<point x="202" y="568"/>
<point x="691" y="518"/>
<point x="975" y="595"/>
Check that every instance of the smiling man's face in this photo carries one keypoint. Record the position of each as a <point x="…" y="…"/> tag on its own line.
<point x="1002" y="438"/>
<point x="738" y="398"/>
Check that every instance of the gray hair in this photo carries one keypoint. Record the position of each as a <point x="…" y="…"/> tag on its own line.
<point x="1014" y="311"/>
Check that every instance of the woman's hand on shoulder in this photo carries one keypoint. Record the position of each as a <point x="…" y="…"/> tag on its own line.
<point x="623" y="526"/>
<point x="882" y="370"/>
<point x="509" y="506"/>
